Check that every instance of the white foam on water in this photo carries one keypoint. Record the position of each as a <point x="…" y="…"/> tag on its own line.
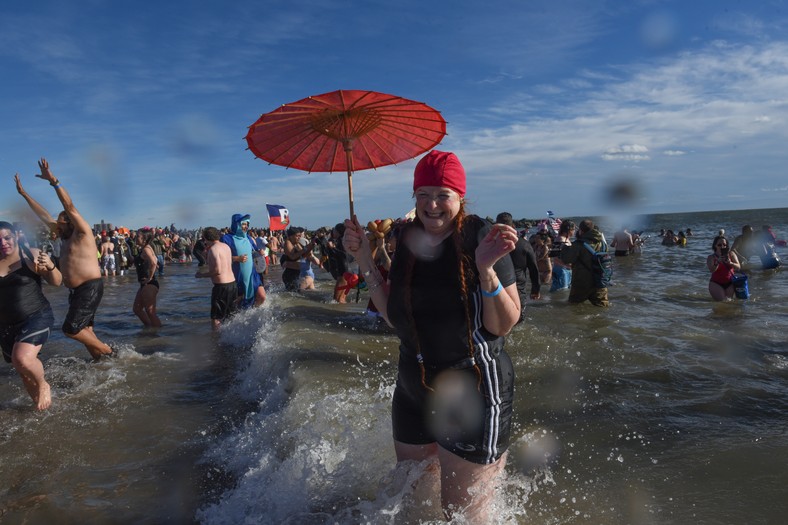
<point x="317" y="448"/>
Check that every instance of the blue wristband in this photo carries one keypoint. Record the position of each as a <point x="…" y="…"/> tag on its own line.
<point x="56" y="186"/>
<point x="494" y="292"/>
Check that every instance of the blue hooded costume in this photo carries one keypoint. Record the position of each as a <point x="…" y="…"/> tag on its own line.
<point x="246" y="276"/>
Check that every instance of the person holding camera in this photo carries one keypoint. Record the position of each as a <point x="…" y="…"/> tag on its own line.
<point x="722" y="264"/>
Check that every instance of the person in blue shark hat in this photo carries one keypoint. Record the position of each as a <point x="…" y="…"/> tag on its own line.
<point x="251" y="291"/>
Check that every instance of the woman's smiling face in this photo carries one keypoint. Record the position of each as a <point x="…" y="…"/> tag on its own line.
<point x="437" y="207"/>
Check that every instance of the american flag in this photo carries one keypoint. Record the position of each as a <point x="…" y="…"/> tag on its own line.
<point x="555" y="223"/>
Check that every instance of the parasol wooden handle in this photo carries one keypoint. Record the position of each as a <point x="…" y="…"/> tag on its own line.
<point x="348" y="145"/>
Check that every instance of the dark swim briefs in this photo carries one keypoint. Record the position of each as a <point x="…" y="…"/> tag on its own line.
<point x="34" y="330"/>
<point x="83" y="301"/>
<point x="290" y="278"/>
<point x="223" y="297"/>
<point x="475" y="425"/>
<point x="152" y="282"/>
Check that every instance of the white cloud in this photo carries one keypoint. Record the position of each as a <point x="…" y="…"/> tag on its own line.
<point x="704" y="100"/>
<point x="568" y="100"/>
<point x="627" y="148"/>
<point x="627" y="152"/>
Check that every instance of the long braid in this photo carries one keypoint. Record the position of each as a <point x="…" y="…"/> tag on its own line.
<point x="411" y="262"/>
<point x="465" y="266"/>
<point x="463" y="259"/>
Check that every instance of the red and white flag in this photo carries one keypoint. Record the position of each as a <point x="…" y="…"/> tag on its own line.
<point x="278" y="217"/>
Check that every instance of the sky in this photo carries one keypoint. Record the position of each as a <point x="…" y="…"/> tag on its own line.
<point x="583" y="108"/>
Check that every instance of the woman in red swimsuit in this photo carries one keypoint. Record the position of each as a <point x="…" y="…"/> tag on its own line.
<point x="722" y="264"/>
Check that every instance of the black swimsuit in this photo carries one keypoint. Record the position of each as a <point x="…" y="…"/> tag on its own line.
<point x="476" y="427"/>
<point x="143" y="271"/>
<point x="20" y="294"/>
<point x="25" y="313"/>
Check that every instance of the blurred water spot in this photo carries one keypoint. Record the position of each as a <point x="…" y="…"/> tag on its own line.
<point x="536" y="449"/>
<point x="623" y="192"/>
<point x="455" y="407"/>
<point x="193" y="137"/>
<point x="104" y="161"/>
<point x="659" y="30"/>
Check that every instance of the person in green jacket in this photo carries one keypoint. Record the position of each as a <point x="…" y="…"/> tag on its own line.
<point x="586" y="282"/>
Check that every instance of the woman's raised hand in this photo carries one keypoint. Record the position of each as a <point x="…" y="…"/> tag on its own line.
<point x="500" y="240"/>
<point x="354" y="240"/>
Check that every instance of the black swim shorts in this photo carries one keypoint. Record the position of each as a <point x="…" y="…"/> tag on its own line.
<point x="34" y="330"/>
<point x="83" y="301"/>
<point x="470" y="421"/>
<point x="223" y="297"/>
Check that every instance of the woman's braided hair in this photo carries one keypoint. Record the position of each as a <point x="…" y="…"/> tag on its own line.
<point x="465" y="274"/>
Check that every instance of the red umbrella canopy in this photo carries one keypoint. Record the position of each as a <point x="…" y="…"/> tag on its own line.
<point x="346" y="130"/>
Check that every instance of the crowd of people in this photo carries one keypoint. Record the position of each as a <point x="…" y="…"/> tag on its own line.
<point x="450" y="285"/>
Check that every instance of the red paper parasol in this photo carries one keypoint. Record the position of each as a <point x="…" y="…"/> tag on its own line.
<point x="346" y="130"/>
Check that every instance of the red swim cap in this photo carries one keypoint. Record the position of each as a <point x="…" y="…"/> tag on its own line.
<point x="440" y="168"/>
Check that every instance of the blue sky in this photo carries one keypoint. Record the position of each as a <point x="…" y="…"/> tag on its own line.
<point x="584" y="108"/>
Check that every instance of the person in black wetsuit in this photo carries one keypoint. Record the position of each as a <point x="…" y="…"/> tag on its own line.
<point x="25" y="314"/>
<point x="451" y="297"/>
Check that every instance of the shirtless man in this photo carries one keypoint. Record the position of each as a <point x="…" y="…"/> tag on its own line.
<point x="218" y="258"/>
<point x="107" y="256"/>
<point x="78" y="264"/>
<point x="273" y="249"/>
<point x="622" y="242"/>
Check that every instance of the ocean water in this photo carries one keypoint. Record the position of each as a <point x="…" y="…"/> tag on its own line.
<point x="665" y="408"/>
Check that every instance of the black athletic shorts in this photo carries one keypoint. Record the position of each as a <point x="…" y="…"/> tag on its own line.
<point x="473" y="422"/>
<point x="33" y="330"/>
<point x="83" y="301"/>
<point x="223" y="297"/>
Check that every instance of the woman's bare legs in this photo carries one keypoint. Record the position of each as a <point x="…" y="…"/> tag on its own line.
<point x="145" y="305"/>
<point x="465" y="486"/>
<point x="24" y="357"/>
<point x="468" y="487"/>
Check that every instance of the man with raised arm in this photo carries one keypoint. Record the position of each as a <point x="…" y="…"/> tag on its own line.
<point x="78" y="264"/>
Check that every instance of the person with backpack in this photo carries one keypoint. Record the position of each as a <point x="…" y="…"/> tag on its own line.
<point x="591" y="265"/>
